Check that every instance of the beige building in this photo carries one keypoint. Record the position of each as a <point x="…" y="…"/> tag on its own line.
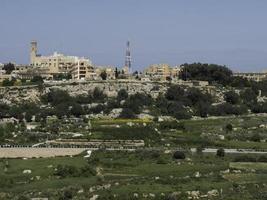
<point x="161" y="72"/>
<point x="252" y="76"/>
<point x="83" y="71"/>
<point x="56" y="63"/>
<point x="110" y="71"/>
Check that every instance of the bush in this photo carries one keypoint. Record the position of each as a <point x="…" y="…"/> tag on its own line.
<point x="66" y="171"/>
<point x="206" y="72"/>
<point x="127" y="113"/>
<point x="229" y="127"/>
<point x="262" y="158"/>
<point x="220" y="152"/>
<point x="179" y="155"/>
<point x="245" y="158"/>
<point x="122" y="95"/>
<point x="231" y="97"/>
<point x="256" y="137"/>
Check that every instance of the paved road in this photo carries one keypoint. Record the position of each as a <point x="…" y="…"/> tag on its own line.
<point x="232" y="151"/>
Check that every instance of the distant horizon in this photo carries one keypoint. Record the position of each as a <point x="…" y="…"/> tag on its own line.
<point x="230" y="33"/>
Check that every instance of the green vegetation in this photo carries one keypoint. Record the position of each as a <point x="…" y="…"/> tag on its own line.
<point x="123" y="174"/>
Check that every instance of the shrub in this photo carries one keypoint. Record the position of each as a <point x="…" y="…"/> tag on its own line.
<point x="262" y="158"/>
<point x="171" y="125"/>
<point x="161" y="161"/>
<point x="66" y="171"/>
<point x="127" y="113"/>
<point x="231" y="97"/>
<point x="220" y="152"/>
<point x="229" y="127"/>
<point x="122" y="95"/>
<point x="179" y="155"/>
<point x="256" y="138"/>
<point x="245" y="158"/>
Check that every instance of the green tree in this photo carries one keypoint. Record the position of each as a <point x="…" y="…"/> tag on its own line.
<point x="127" y="113"/>
<point x="174" y="93"/>
<point x="220" y="152"/>
<point x="249" y="96"/>
<point x="122" y="95"/>
<point x="228" y="127"/>
<point x="9" y="67"/>
<point x="77" y="110"/>
<point x="206" y="72"/>
<point x="116" y="73"/>
<point x="231" y="97"/>
<point x="103" y="75"/>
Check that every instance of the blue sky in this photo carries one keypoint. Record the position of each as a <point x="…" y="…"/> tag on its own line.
<point x="228" y="32"/>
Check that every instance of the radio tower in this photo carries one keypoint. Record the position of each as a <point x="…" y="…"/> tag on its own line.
<point x="128" y="58"/>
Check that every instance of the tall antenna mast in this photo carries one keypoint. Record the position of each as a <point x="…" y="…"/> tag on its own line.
<point x="128" y="58"/>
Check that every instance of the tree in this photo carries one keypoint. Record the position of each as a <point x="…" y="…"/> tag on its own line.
<point x="9" y="67"/>
<point x="122" y="95"/>
<point x="249" y="96"/>
<point x="77" y="110"/>
<point x="179" y="155"/>
<point x="202" y="109"/>
<point x="103" y="75"/>
<point x="196" y="96"/>
<point x="116" y="73"/>
<point x="220" y="152"/>
<point x="98" y="95"/>
<point x="174" y="93"/>
<point x="7" y="82"/>
<point x="231" y="97"/>
<point x="256" y="137"/>
<point x="206" y="72"/>
<point x="229" y="127"/>
<point x="127" y="113"/>
<point x="177" y="110"/>
<point x="56" y="97"/>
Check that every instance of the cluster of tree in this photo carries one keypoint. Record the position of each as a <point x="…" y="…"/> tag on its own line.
<point x="133" y="104"/>
<point x="6" y="131"/>
<point x="183" y="103"/>
<point x="9" y="67"/>
<point x="217" y="74"/>
<point x="206" y="72"/>
<point x="64" y="171"/>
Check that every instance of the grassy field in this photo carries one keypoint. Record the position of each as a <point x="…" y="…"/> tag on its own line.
<point x="153" y="173"/>
<point x="148" y="174"/>
<point x="249" y="166"/>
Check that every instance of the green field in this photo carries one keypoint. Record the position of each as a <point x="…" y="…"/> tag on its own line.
<point x="125" y="173"/>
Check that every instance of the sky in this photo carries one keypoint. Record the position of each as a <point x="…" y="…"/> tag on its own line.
<point x="228" y="32"/>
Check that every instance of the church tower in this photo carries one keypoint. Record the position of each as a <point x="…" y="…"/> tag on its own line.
<point x="33" y="53"/>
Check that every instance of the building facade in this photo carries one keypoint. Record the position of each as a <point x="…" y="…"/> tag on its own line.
<point x="161" y="72"/>
<point x="56" y="63"/>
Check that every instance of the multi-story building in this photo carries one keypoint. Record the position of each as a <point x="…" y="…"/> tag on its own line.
<point x="82" y="70"/>
<point x="161" y="72"/>
<point x="252" y="75"/>
<point x="56" y="63"/>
